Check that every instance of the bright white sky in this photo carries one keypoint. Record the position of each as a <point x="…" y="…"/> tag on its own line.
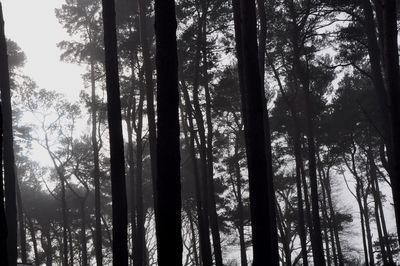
<point x="32" y="24"/>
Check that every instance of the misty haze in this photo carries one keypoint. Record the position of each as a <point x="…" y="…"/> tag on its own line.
<point x="199" y="132"/>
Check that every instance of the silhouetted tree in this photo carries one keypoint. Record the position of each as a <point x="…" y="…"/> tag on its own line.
<point x="118" y="188"/>
<point x="8" y="149"/>
<point x="262" y="205"/>
<point x="168" y="211"/>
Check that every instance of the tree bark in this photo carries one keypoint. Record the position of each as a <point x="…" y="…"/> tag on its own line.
<point x="118" y="187"/>
<point x="168" y="211"/>
<point x="262" y="207"/>
<point x="8" y="150"/>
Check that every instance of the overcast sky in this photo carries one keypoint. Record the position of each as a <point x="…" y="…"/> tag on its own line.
<point x="33" y="25"/>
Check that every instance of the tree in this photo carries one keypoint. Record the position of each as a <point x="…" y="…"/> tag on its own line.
<point x="8" y="150"/>
<point x="119" y="202"/>
<point x="168" y="197"/>
<point x="262" y="205"/>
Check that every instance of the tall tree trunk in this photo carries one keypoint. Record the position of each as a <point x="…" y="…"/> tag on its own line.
<point x="393" y="84"/>
<point x="21" y="223"/>
<point x="131" y="172"/>
<point x="118" y="188"/>
<point x="262" y="38"/>
<point x="302" y="75"/>
<point x="205" y="245"/>
<point x="3" y="218"/>
<point x="96" y="170"/>
<point x="262" y="207"/>
<point x="209" y="151"/>
<point x="8" y="149"/>
<point x="168" y="211"/>
<point x="140" y="236"/>
<point x="148" y="70"/>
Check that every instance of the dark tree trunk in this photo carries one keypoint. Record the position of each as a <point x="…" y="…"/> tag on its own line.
<point x="205" y="245"/>
<point x="148" y="70"/>
<point x="8" y="149"/>
<point x="168" y="211"/>
<point x="393" y="84"/>
<point x="118" y="188"/>
<point x="209" y="151"/>
<point x="64" y="221"/>
<point x="96" y="171"/>
<point x="262" y="207"/>
<point x="3" y="220"/>
<point x="21" y="223"/>
<point x="367" y="225"/>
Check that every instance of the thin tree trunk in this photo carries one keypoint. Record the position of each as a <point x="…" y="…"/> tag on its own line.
<point x="168" y="211"/>
<point x="83" y="234"/>
<point x="140" y="236"/>
<point x="21" y="223"/>
<point x="262" y="207"/>
<point x="8" y="149"/>
<point x="148" y="70"/>
<point x="209" y="151"/>
<point x="243" y="256"/>
<point x="367" y="226"/>
<point x="71" y="250"/>
<point x="118" y="187"/>
<point x="96" y="171"/>
<point x="32" y="232"/>
<point x="3" y="218"/>
<point x="194" y="242"/>
<point x="131" y="176"/>
<point x="205" y="245"/>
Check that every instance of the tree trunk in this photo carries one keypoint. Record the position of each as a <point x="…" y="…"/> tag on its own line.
<point x="367" y="226"/>
<point x="205" y="245"/>
<point x="194" y="243"/>
<point x="96" y="171"/>
<point x="243" y="256"/>
<point x="32" y="232"/>
<point x="118" y="188"/>
<point x="71" y="250"/>
<point x="209" y="151"/>
<point x="168" y="211"/>
<point x="8" y="150"/>
<point x="21" y="223"/>
<point x="148" y="70"/>
<point x="393" y="84"/>
<point x="3" y="218"/>
<point x="140" y="233"/>
<point x="262" y="207"/>
<point x="83" y="234"/>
